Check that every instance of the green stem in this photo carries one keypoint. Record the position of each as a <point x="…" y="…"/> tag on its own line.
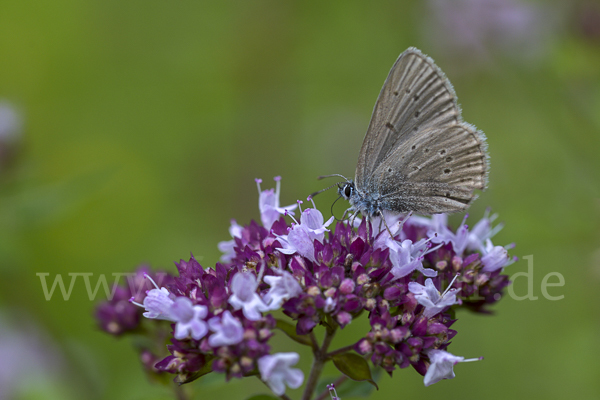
<point x="320" y="356"/>
<point x="340" y="350"/>
<point x="313" y="339"/>
<point x="180" y="393"/>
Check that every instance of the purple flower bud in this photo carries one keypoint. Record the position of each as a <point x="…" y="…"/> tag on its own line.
<point x="347" y="286"/>
<point x="344" y="318"/>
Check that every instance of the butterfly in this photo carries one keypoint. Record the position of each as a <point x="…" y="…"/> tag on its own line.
<point x="418" y="155"/>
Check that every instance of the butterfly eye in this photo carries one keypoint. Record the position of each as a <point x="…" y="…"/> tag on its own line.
<point x="347" y="190"/>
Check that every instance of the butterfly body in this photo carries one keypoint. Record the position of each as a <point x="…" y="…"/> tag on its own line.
<point x="417" y="155"/>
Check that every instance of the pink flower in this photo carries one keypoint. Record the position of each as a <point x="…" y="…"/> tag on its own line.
<point x="244" y="296"/>
<point x="298" y="240"/>
<point x="312" y="220"/>
<point x="442" y="366"/>
<point x="407" y="257"/>
<point x="275" y="371"/>
<point x="228" y="330"/>
<point x="495" y="257"/>
<point x="430" y="298"/>
<point x="268" y="204"/>
<point x="283" y="288"/>
<point x="227" y="247"/>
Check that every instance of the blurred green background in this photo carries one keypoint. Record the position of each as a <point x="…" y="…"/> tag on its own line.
<point x="146" y="122"/>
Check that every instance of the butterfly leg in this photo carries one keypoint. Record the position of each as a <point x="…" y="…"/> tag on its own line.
<point x="352" y="218"/>
<point x="400" y="223"/>
<point x="344" y="214"/>
<point x="368" y="224"/>
<point x="386" y="225"/>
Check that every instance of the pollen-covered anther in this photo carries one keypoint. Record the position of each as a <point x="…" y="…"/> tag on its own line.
<point x="370" y="304"/>
<point x="348" y="260"/>
<point x="246" y="362"/>
<point x="481" y="279"/>
<point x="457" y="263"/>
<point x="249" y="334"/>
<point x="223" y="352"/>
<point x="235" y="369"/>
<point x="264" y="334"/>
<point x="362" y="279"/>
<point x="313" y="291"/>
<point x="178" y="354"/>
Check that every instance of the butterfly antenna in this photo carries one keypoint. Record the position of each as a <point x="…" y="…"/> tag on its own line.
<point x="332" y="175"/>
<point x="323" y="190"/>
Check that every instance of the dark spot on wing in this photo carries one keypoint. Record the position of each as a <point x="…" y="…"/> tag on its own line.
<point x="417" y="113"/>
<point x="389" y="170"/>
<point x="448" y="159"/>
<point x="416" y="97"/>
<point x="416" y="128"/>
<point x="426" y="150"/>
<point x="395" y="93"/>
<point x="442" y="152"/>
<point x="413" y="147"/>
<point x="447" y="194"/>
<point x="389" y="125"/>
<point x="447" y="171"/>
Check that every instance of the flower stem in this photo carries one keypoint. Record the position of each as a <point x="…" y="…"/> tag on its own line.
<point x="340" y="350"/>
<point x="180" y="393"/>
<point x="320" y="356"/>
<point x="313" y="340"/>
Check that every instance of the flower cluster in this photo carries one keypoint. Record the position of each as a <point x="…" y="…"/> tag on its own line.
<point x="118" y="315"/>
<point x="408" y="278"/>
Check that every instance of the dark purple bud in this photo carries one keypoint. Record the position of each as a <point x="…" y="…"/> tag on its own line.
<point x="305" y="325"/>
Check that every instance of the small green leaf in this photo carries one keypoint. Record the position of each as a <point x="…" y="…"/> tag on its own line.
<point x="262" y="397"/>
<point x="290" y="330"/>
<point x="354" y="367"/>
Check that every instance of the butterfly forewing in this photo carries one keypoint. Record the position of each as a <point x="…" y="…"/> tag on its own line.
<point x="415" y="95"/>
<point x="417" y="154"/>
